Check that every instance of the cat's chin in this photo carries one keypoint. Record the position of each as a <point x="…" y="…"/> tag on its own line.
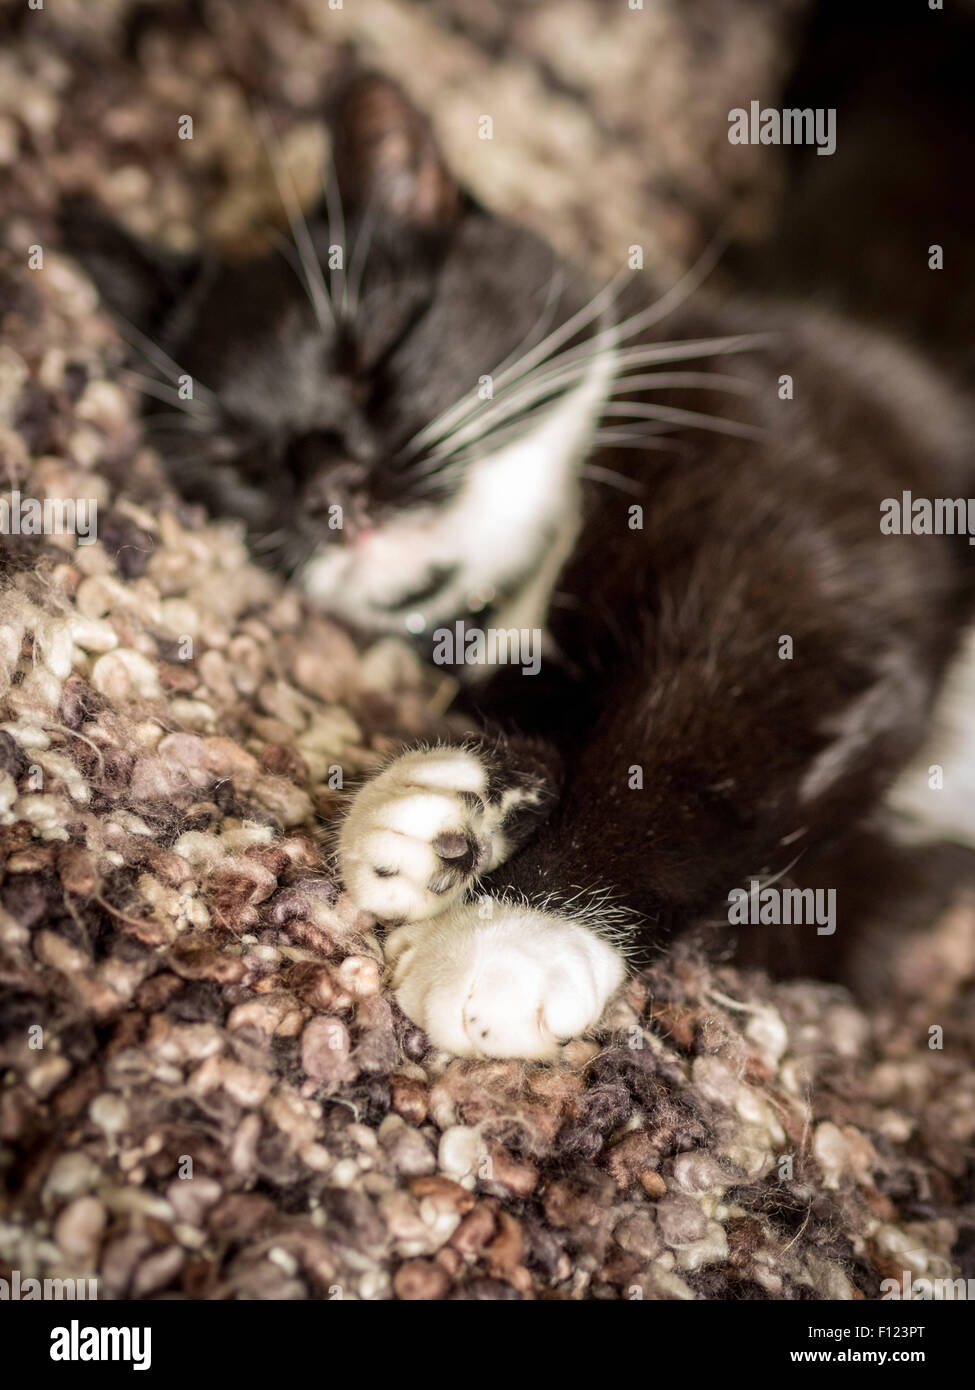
<point x="368" y="583"/>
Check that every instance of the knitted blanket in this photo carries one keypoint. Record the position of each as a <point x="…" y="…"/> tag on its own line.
<point x="207" y="1092"/>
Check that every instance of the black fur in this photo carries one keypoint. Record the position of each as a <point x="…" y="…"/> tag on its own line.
<point x="669" y="635"/>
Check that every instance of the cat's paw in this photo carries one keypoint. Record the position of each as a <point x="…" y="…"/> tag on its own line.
<point x="493" y="979"/>
<point x="417" y="835"/>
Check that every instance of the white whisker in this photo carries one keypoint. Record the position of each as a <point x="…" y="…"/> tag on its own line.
<point x="671" y="299"/>
<point x="313" y="275"/>
<point x="706" y="381"/>
<point x="675" y="350"/>
<point x="597" y="474"/>
<point x="541" y="386"/>
<point x="163" y="362"/>
<point x="460" y="413"/>
<point x="357" y="261"/>
<point x="463" y="412"/>
<point x="674" y="416"/>
<point x="336" y="220"/>
<point x="618" y="439"/>
<point x="150" y="386"/>
<point x="541" y="324"/>
<point x="620" y="330"/>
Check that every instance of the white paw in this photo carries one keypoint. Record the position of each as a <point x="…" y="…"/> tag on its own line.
<point x="418" y="834"/>
<point x="512" y="984"/>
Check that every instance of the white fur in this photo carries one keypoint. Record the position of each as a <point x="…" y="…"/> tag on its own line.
<point x="880" y="706"/>
<point x="494" y="979"/>
<point x="392" y="822"/>
<point x="946" y="812"/>
<point x="517" y="509"/>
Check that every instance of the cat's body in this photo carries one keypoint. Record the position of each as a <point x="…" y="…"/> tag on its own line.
<point x="736" y="661"/>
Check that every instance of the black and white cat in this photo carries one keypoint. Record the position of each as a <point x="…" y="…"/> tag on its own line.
<point x="457" y="427"/>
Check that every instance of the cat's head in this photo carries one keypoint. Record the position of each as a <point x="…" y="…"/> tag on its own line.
<point x="360" y="394"/>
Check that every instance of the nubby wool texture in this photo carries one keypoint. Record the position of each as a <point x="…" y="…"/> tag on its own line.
<point x="206" y="1089"/>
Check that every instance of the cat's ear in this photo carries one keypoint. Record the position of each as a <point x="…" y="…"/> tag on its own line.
<point x="387" y="160"/>
<point x="139" y="282"/>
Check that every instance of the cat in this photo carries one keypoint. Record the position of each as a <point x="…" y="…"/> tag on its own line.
<point x="680" y="498"/>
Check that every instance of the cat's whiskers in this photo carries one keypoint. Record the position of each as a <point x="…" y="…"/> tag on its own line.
<point x="444" y="473"/>
<point x="662" y="306"/>
<point x="203" y="401"/>
<point x="192" y="411"/>
<point x="357" y="261"/>
<point x="336" y="236"/>
<point x="445" y="469"/>
<point x="637" y="410"/>
<point x="314" y="278"/>
<point x="541" y="356"/>
<point x="706" y="381"/>
<point x="463" y="410"/>
<point x="554" y="288"/>
<point x="446" y="466"/>
<point x="643" y="355"/>
<point x="620" y="439"/>
<point x="542" y="322"/>
<point x="679" y="292"/>
<point x="597" y="474"/>
<point x="158" y="423"/>
<point x="536" y="390"/>
<point x="288" y="251"/>
<point x="327" y="305"/>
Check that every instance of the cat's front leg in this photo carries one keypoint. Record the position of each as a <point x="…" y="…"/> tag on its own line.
<point x="492" y="977"/>
<point x="421" y="832"/>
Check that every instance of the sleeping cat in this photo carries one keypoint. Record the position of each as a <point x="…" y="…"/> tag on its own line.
<point x="457" y="438"/>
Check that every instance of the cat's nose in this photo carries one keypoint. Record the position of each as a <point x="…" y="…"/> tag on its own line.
<point x="335" y="495"/>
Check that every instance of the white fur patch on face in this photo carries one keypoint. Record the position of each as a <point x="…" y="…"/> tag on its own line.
<point x="517" y="511"/>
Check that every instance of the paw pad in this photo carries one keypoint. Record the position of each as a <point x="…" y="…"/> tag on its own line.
<point x="415" y="836"/>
